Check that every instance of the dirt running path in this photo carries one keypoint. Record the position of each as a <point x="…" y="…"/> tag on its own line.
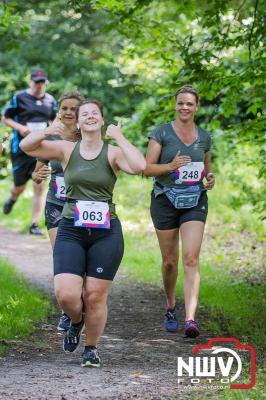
<point x="139" y="358"/>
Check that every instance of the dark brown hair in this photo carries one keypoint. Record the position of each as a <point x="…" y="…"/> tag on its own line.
<point x="88" y="101"/>
<point x="188" y="89"/>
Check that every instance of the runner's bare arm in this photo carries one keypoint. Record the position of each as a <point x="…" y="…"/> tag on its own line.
<point x="35" y="144"/>
<point x="22" y="129"/>
<point x="126" y="157"/>
<point x="208" y="171"/>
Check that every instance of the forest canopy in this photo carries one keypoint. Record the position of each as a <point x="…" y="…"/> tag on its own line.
<point x="134" y="54"/>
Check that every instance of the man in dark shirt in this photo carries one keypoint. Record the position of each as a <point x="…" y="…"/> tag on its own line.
<point x="28" y="111"/>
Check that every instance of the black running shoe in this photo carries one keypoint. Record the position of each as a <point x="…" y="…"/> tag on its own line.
<point x="35" y="230"/>
<point x="64" y="322"/>
<point x="191" y="329"/>
<point x="8" y="205"/>
<point x="71" y="340"/>
<point x="90" y="357"/>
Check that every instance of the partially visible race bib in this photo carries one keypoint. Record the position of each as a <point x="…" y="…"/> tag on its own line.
<point x="36" y="126"/>
<point x="92" y="214"/>
<point x="59" y="188"/>
<point x="190" y="173"/>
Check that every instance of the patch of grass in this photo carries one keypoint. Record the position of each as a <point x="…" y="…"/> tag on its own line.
<point x="256" y="393"/>
<point x="223" y="210"/>
<point x="235" y="302"/>
<point x="21" y="306"/>
<point x="20" y="216"/>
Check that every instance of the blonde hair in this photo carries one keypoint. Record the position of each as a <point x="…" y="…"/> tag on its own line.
<point x="70" y="95"/>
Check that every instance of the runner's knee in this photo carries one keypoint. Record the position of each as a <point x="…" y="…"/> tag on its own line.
<point x="67" y="299"/>
<point x="17" y="190"/>
<point x="38" y="188"/>
<point x="190" y="260"/>
<point x="170" y="264"/>
<point x="94" y="299"/>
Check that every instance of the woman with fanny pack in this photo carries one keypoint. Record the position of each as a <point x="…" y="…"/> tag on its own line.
<point x="89" y="243"/>
<point x="179" y="158"/>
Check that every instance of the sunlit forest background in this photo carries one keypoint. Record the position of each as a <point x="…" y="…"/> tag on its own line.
<point x="133" y="55"/>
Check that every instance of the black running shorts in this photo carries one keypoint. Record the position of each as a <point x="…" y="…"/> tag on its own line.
<point x="93" y="252"/>
<point x="22" y="168"/>
<point x="53" y="214"/>
<point x="165" y="216"/>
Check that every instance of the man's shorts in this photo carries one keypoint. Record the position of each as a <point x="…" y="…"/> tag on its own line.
<point x="92" y="252"/>
<point x="53" y="214"/>
<point x="165" y="216"/>
<point x="22" y="168"/>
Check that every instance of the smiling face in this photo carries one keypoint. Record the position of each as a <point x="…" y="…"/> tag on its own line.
<point x="186" y="106"/>
<point x="67" y="111"/>
<point x="90" y="118"/>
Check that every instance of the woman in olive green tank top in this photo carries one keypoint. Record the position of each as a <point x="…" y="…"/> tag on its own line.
<point x="89" y="243"/>
<point x="55" y="199"/>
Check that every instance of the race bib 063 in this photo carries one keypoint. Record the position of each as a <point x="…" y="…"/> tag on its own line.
<point x="92" y="214"/>
<point x="190" y="173"/>
<point x="59" y="188"/>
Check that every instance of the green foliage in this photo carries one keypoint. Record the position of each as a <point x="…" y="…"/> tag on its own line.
<point x="74" y="51"/>
<point x="21" y="306"/>
<point x="217" y="46"/>
<point x="133" y="54"/>
<point x="12" y="27"/>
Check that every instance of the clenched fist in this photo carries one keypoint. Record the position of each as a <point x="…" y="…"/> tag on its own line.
<point x="56" y="128"/>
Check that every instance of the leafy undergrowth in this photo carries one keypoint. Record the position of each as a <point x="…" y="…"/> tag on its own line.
<point x="22" y="307"/>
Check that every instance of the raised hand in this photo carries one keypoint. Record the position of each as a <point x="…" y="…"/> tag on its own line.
<point x="56" y="128"/>
<point x="114" y="132"/>
<point x="178" y="161"/>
